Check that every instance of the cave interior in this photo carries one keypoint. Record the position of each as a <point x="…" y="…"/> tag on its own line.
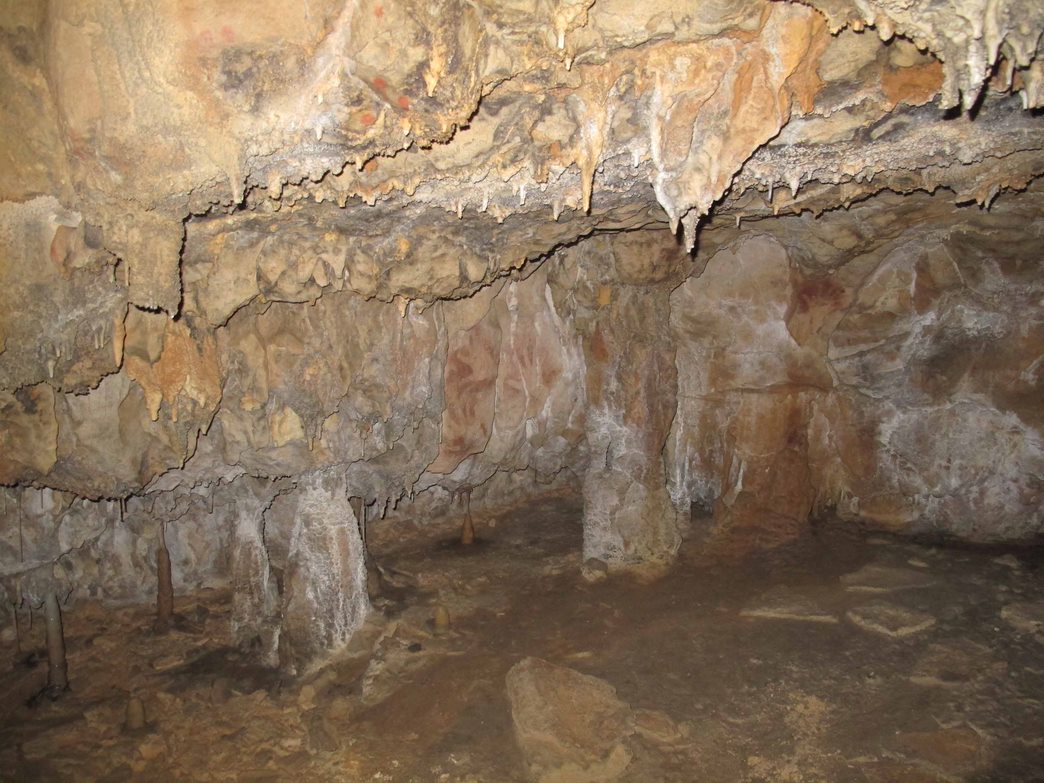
<point x="568" y="391"/>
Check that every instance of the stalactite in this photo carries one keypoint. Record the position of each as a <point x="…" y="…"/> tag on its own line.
<point x="21" y="537"/>
<point x="18" y="631"/>
<point x="17" y="607"/>
<point x="21" y="559"/>
<point x="358" y="508"/>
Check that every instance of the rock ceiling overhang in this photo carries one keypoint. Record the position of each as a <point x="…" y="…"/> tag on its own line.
<point x="193" y="159"/>
<point x="139" y="117"/>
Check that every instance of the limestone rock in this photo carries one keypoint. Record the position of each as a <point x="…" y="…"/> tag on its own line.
<point x="879" y="578"/>
<point x="50" y="266"/>
<point x="1027" y="617"/>
<point x="659" y="728"/>
<point x="954" y="751"/>
<point x="900" y="772"/>
<point x="968" y="57"/>
<point x="322" y="736"/>
<point x="784" y="603"/>
<point x="890" y="619"/>
<point x="569" y="725"/>
<point x="954" y="663"/>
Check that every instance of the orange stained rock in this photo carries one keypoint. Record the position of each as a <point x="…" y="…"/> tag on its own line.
<point x="28" y="435"/>
<point x="804" y="82"/>
<point x="185" y="368"/>
<point x="472" y="366"/>
<point x="915" y="85"/>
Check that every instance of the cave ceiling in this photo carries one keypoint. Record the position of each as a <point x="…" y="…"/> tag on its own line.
<point x="182" y="162"/>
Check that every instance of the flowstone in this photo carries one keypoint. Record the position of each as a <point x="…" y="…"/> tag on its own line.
<point x="324" y="588"/>
<point x="298" y="572"/>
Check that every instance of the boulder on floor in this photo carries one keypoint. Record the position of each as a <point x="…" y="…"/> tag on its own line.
<point x="570" y="726"/>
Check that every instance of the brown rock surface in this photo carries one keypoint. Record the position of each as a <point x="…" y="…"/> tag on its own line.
<point x="954" y="751"/>
<point x="569" y="725"/>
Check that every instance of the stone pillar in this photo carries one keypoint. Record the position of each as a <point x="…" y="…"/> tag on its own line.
<point x="298" y="569"/>
<point x="629" y="520"/>
<point x="255" y="588"/>
<point x="324" y="586"/>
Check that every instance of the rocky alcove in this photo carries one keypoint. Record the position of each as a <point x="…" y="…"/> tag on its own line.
<point x="569" y="390"/>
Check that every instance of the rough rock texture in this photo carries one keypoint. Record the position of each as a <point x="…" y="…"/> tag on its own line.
<point x="424" y="249"/>
<point x="570" y="726"/>
<point x="631" y="399"/>
<point x="324" y="583"/>
<point x="860" y="375"/>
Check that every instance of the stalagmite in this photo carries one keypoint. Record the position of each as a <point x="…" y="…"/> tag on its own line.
<point x="441" y="619"/>
<point x="323" y="592"/>
<point x="165" y="584"/>
<point x="467" y="527"/>
<point x="134" y="718"/>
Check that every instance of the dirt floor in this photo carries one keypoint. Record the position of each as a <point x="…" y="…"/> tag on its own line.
<point x="839" y="658"/>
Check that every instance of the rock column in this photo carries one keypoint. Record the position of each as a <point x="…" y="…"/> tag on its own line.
<point x="324" y="587"/>
<point x="629" y="520"/>
<point x="255" y="586"/>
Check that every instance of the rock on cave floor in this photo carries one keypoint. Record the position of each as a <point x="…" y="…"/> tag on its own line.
<point x="838" y="658"/>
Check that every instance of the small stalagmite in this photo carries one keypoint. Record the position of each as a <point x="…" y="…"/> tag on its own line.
<point x="441" y="619"/>
<point x="467" y="529"/>
<point x="134" y="719"/>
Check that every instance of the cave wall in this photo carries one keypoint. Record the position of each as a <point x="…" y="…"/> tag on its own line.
<point x="892" y="381"/>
